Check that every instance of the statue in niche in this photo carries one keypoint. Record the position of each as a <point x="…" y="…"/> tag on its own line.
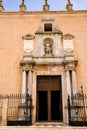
<point x="48" y="47"/>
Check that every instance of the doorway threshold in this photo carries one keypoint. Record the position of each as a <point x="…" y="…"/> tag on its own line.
<point x="43" y="124"/>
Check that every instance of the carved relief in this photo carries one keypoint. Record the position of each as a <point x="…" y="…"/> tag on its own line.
<point x="27" y="67"/>
<point x="28" y="41"/>
<point x="48" y="47"/>
<point x="49" y="69"/>
<point x="70" y="65"/>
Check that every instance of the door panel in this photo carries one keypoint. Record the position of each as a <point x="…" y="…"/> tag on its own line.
<point x="49" y="83"/>
<point x="42" y="106"/>
<point x="49" y="106"/>
<point x="55" y="105"/>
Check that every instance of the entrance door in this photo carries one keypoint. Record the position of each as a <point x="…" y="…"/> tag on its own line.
<point x="49" y="98"/>
<point x="42" y="106"/>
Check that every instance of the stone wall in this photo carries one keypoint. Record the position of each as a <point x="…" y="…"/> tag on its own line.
<point x="15" y="25"/>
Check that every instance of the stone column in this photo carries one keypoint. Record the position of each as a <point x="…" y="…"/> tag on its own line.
<point x="74" y="83"/>
<point x="30" y="76"/>
<point x="68" y="83"/>
<point x="23" y="89"/>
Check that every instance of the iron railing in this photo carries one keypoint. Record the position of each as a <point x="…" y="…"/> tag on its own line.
<point x="19" y="109"/>
<point x="77" y="109"/>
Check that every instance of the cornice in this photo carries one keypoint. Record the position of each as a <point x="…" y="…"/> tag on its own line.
<point x="22" y="62"/>
<point x="48" y="33"/>
<point x="48" y="12"/>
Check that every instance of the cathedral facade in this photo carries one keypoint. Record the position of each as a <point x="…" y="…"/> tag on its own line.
<point x="44" y="54"/>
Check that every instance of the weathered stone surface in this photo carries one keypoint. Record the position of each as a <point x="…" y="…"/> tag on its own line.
<point x="15" y="25"/>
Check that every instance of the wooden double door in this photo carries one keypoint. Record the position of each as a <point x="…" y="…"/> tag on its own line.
<point x="49" y="98"/>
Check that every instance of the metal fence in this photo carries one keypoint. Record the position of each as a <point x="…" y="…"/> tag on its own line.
<point x="77" y="109"/>
<point x="19" y="109"/>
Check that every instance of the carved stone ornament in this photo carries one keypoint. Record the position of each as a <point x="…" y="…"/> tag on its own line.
<point x="28" y="43"/>
<point x="28" y="37"/>
<point x="68" y="37"/>
<point x="48" y="47"/>
<point x="27" y="67"/>
<point x="68" y="42"/>
<point x="71" y="65"/>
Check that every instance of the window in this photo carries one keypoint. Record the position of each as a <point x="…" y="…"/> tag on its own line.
<point x="48" y="27"/>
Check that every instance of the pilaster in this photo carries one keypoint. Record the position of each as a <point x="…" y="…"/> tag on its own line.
<point x="30" y="78"/>
<point x="68" y="83"/>
<point x="74" y="81"/>
<point x="70" y="67"/>
<point x="27" y="65"/>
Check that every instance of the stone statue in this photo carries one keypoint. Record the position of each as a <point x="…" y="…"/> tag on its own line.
<point x="48" y="47"/>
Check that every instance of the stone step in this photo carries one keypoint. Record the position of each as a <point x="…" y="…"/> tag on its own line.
<point x="43" y="126"/>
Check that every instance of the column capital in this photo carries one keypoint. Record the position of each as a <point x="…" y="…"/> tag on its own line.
<point x="27" y="67"/>
<point x="70" y="65"/>
<point x="71" y="68"/>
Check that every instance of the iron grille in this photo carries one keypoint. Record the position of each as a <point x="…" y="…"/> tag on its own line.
<point x="77" y="110"/>
<point x="19" y="109"/>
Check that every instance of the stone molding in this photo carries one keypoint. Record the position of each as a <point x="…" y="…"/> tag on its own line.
<point x="28" y="37"/>
<point x="46" y="33"/>
<point x="68" y="36"/>
<point x="45" y="20"/>
<point x="27" y="67"/>
<point x="70" y="65"/>
<point x="41" y="31"/>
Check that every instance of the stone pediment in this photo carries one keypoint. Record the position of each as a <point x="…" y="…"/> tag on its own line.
<point x="41" y="31"/>
<point x="68" y="36"/>
<point x="28" y="37"/>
